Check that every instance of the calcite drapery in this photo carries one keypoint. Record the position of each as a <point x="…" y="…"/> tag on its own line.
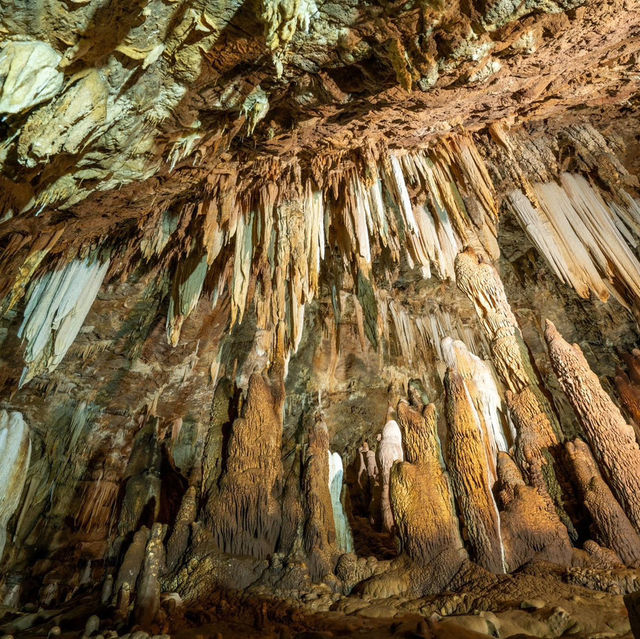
<point x="57" y="305"/>
<point x="15" y="454"/>
<point x="389" y="451"/>
<point x="344" y="538"/>
<point x="612" y="440"/>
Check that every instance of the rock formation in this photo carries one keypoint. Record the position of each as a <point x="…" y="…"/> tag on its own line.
<point x="344" y="538"/>
<point x="537" y="428"/>
<point x="320" y="541"/>
<point x="529" y="525"/>
<point x="15" y="453"/>
<point x="470" y="473"/>
<point x="389" y="451"/>
<point x="221" y="220"/>
<point x="422" y="501"/>
<point x="610" y="525"/>
<point x="612" y="440"/>
<point x="248" y="514"/>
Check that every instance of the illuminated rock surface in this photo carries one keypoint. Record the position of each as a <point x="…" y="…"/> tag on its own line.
<point x="275" y="280"/>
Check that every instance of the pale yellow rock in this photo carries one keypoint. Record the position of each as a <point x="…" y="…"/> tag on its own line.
<point x="68" y="124"/>
<point x="28" y="75"/>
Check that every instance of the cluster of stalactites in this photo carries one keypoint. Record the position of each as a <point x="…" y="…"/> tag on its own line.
<point x="57" y="304"/>
<point x="278" y="246"/>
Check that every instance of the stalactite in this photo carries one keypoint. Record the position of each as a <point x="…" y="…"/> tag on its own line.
<point x="612" y="440"/>
<point x="389" y="451"/>
<point x="344" y="538"/>
<point x="422" y="500"/>
<point x="248" y="514"/>
<point x="319" y="529"/>
<point x="610" y="526"/>
<point x="187" y="286"/>
<point x="15" y="454"/>
<point x="530" y="526"/>
<point x="57" y="305"/>
<point x="467" y="463"/>
<point x="581" y="237"/>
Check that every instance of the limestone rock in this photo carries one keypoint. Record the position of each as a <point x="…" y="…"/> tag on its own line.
<point x="29" y="75"/>
<point x="612" y="440"/>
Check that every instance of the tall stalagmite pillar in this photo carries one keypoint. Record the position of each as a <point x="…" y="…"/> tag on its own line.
<point x="612" y="440"/>
<point x="422" y="500"/>
<point x="319" y="529"/>
<point x="538" y="431"/>
<point x="467" y="463"/>
<point x="248" y="513"/>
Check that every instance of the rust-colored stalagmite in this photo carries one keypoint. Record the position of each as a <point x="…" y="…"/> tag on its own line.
<point x="179" y="539"/>
<point x="612" y="440"/>
<point x="466" y="460"/>
<point x="422" y="501"/>
<point x="531" y="528"/>
<point x="610" y="526"/>
<point x="319" y="528"/>
<point x="148" y="591"/>
<point x="628" y="386"/>
<point x="125" y="582"/>
<point x="537" y="428"/>
<point x="248" y="512"/>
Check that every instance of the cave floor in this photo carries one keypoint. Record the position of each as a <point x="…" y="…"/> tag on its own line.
<point x="536" y="602"/>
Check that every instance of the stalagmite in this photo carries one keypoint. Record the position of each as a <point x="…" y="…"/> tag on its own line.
<point x="179" y="538"/>
<point x="389" y="451"/>
<point x="248" y="512"/>
<point x="628" y="387"/>
<point x="610" y="526"/>
<point x="530" y="526"/>
<point x="344" y="538"/>
<point x="467" y="463"/>
<point x="319" y="529"/>
<point x="15" y="454"/>
<point x="537" y="428"/>
<point x="130" y="567"/>
<point x="481" y="387"/>
<point x="57" y="305"/>
<point x="148" y="590"/>
<point x="422" y="500"/>
<point x="612" y="440"/>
